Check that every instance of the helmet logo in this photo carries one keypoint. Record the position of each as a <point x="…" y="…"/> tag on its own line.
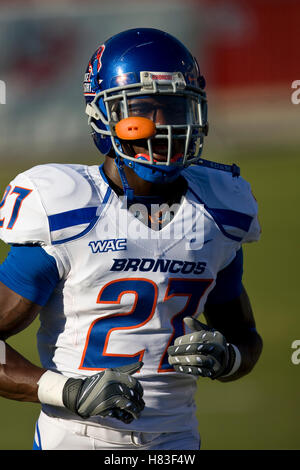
<point x="88" y="84"/>
<point x="98" y="57"/>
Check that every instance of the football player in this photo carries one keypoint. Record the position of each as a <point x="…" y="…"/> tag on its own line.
<point x="119" y="261"/>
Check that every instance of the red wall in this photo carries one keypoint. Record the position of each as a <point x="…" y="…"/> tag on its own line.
<point x="266" y="50"/>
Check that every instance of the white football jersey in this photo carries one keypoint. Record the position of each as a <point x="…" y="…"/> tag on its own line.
<point x="125" y="288"/>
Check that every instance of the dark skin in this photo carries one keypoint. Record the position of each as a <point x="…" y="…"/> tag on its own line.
<point x="19" y="377"/>
<point x="236" y="322"/>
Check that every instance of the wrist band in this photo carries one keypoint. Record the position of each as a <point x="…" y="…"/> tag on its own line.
<point x="50" y="390"/>
<point x="237" y="361"/>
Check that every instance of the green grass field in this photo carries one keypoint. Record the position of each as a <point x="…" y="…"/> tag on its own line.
<point x="260" y="411"/>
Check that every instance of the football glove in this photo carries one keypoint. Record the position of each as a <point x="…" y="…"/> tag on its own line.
<point x="111" y="392"/>
<point x="204" y="352"/>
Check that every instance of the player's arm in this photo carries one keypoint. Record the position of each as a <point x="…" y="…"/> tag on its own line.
<point x="21" y="380"/>
<point x="18" y="376"/>
<point x="227" y="347"/>
<point x="28" y="277"/>
<point x="235" y="320"/>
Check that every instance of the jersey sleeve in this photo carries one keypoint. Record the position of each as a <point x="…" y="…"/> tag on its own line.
<point x="28" y="204"/>
<point x="30" y="272"/>
<point x="48" y="205"/>
<point x="33" y="267"/>
<point x="23" y="218"/>
<point x="228" y="283"/>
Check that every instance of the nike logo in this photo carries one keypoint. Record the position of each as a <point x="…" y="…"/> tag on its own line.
<point x="90" y="386"/>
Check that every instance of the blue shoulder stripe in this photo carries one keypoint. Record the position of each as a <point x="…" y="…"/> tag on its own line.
<point x="227" y="217"/>
<point x="70" y="218"/>
<point x="232" y="218"/>
<point x="86" y="215"/>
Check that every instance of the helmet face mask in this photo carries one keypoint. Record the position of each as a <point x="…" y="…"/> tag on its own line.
<point x="117" y="88"/>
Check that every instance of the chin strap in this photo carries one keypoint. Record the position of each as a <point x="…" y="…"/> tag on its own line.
<point x="233" y="169"/>
<point x="128" y="191"/>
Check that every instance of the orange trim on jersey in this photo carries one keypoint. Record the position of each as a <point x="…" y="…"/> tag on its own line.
<point x="3" y="201"/>
<point x="167" y="297"/>
<point x="104" y="353"/>
<point x="23" y="199"/>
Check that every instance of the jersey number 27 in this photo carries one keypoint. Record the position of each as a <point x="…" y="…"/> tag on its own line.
<point x="95" y="355"/>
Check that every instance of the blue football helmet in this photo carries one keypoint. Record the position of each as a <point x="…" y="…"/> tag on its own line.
<point x="145" y="73"/>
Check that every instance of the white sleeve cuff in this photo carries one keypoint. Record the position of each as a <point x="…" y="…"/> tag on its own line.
<point x="50" y="390"/>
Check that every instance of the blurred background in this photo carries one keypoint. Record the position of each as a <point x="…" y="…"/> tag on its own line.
<point x="249" y="52"/>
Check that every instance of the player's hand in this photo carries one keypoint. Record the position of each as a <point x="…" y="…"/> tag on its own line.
<point x="111" y="392"/>
<point x="204" y="352"/>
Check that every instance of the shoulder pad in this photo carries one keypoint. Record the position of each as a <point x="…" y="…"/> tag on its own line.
<point x="228" y="199"/>
<point x="61" y="202"/>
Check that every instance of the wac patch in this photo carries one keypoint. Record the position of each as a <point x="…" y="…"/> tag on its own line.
<point x="103" y="246"/>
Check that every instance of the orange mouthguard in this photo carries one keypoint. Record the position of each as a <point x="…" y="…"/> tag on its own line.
<point x="134" y="128"/>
